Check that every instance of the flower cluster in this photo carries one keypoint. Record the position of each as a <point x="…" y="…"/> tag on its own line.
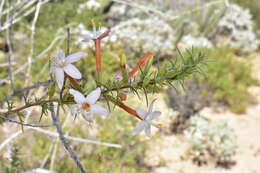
<point x="144" y="35"/>
<point x="208" y="139"/>
<point x="190" y="41"/>
<point x="86" y="106"/>
<point x="237" y="22"/>
<point x="90" y="5"/>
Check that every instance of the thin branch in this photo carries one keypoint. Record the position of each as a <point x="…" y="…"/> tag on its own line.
<point x="77" y="139"/>
<point x="25" y="124"/>
<point x="165" y="16"/>
<point x="72" y="154"/>
<point x="36" y="15"/>
<point x="26" y="89"/>
<point x="8" y="24"/>
<point x="10" y="49"/>
<point x="9" y="139"/>
<point x="1" y="9"/>
<point x="30" y="105"/>
<point x="7" y="64"/>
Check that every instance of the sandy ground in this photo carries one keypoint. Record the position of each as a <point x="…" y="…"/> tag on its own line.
<point x="166" y="151"/>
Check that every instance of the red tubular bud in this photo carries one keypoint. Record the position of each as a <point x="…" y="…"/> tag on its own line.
<point x="129" y="110"/>
<point x="141" y="63"/>
<point x="98" y="54"/>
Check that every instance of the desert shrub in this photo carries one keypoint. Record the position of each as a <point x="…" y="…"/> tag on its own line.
<point x="138" y="36"/>
<point x="240" y="34"/>
<point x="228" y="79"/>
<point x="187" y="103"/>
<point x="226" y="83"/>
<point x="211" y="141"/>
<point x="14" y="163"/>
<point x="254" y="7"/>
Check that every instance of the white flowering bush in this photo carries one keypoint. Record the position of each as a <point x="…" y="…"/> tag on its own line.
<point x="190" y="41"/>
<point x="144" y="35"/>
<point x="210" y="140"/>
<point x="89" y="5"/>
<point x="237" y="24"/>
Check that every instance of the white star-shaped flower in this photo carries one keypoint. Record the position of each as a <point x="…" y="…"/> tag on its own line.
<point x="63" y="65"/>
<point x="146" y="122"/>
<point x="95" y="34"/>
<point x="87" y="105"/>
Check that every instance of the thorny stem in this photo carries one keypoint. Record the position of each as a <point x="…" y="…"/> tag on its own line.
<point x="57" y="100"/>
<point x="72" y="154"/>
<point x="25" y="124"/>
<point x="33" y="104"/>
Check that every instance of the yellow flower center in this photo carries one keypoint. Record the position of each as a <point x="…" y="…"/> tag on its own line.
<point x="61" y="65"/>
<point x="85" y="106"/>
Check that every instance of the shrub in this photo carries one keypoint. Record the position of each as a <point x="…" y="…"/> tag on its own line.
<point x="211" y="141"/>
<point x="240" y="33"/>
<point x="228" y="78"/>
<point x="254" y="7"/>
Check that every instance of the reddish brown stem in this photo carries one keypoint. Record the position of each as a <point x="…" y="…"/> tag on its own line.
<point x="33" y="104"/>
<point x="98" y="54"/>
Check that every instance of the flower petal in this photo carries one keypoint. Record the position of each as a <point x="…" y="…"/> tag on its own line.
<point x="97" y="109"/>
<point x="87" y="35"/>
<point x="78" y="97"/>
<point x="102" y="31"/>
<point x="59" y="73"/>
<point x="139" y="127"/>
<point x="72" y="71"/>
<point x="150" y="110"/>
<point x="93" y="96"/>
<point x="141" y="112"/>
<point x="88" y="116"/>
<point x="74" y="57"/>
<point x="148" y="130"/>
<point x="154" y="115"/>
<point x="74" y="109"/>
<point x="60" y="54"/>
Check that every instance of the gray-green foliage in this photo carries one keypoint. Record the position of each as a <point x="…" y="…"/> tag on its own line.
<point x="15" y="163"/>
<point x="216" y="141"/>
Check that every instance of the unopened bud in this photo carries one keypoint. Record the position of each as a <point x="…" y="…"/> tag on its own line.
<point x="123" y="61"/>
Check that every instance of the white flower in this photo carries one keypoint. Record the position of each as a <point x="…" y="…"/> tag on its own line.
<point x="92" y="4"/>
<point x="95" y="34"/>
<point x="63" y="65"/>
<point x="86" y="105"/>
<point x="146" y="123"/>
